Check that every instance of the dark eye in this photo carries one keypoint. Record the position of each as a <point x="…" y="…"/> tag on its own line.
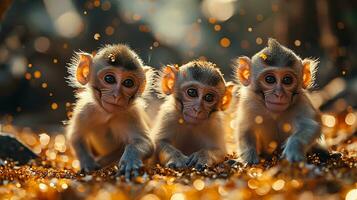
<point x="128" y="83"/>
<point x="110" y="79"/>
<point x="287" y="80"/>
<point x="192" y="92"/>
<point x="270" y="79"/>
<point x="209" y="97"/>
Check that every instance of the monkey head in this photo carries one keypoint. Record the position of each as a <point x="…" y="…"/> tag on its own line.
<point x="277" y="75"/>
<point x="198" y="88"/>
<point x="115" y="75"/>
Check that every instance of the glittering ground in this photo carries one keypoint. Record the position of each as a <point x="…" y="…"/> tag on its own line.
<point x="56" y="177"/>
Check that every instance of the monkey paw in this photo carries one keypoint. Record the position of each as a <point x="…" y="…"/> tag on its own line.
<point x="293" y="151"/>
<point x="177" y="162"/>
<point x="129" y="167"/>
<point x="250" y="157"/>
<point x="89" y="166"/>
<point x="199" y="160"/>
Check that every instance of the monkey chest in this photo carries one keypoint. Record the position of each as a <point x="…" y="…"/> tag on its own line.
<point x="105" y="141"/>
<point x="271" y="135"/>
<point x="188" y="143"/>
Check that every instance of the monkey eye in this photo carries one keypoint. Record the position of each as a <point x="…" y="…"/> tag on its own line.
<point x="270" y="79"/>
<point x="128" y="83"/>
<point x="110" y="79"/>
<point x="209" y="97"/>
<point x="287" y="80"/>
<point x="192" y="92"/>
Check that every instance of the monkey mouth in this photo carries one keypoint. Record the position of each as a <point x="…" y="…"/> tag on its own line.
<point x="109" y="106"/>
<point x="277" y="103"/>
<point x="193" y="119"/>
<point x="276" y="106"/>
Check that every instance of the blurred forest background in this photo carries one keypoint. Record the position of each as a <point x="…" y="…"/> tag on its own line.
<point x="38" y="38"/>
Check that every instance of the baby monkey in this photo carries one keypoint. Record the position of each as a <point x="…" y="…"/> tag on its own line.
<point x="273" y="108"/>
<point x="108" y="123"/>
<point x="189" y="129"/>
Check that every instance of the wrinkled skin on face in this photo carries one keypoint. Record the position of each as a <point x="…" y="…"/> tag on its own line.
<point x="116" y="88"/>
<point x="278" y="86"/>
<point x="198" y="101"/>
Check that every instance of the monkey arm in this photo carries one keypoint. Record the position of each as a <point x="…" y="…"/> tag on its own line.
<point x="138" y="148"/>
<point x="307" y="131"/>
<point x="83" y="154"/>
<point x="143" y="145"/>
<point x="169" y="155"/>
<point x="248" y="146"/>
<point x="206" y="157"/>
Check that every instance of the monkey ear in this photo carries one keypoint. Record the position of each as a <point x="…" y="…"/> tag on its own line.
<point x="147" y="82"/>
<point x="309" y="72"/>
<point x="243" y="70"/>
<point x="84" y="68"/>
<point x="168" y="79"/>
<point x="226" y="99"/>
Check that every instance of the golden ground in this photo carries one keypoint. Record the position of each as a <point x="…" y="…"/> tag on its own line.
<point x="57" y="177"/>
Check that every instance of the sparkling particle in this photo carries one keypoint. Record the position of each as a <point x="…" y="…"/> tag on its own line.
<point x="150" y="197"/>
<point x="351" y="195"/>
<point x="328" y="120"/>
<point x="263" y="56"/>
<point x="253" y="184"/>
<point x="258" y="119"/>
<point x="75" y="164"/>
<point x="250" y="29"/>
<point x="96" y="3"/>
<point x="44" y="85"/>
<point x="43" y="187"/>
<point x="64" y="186"/>
<point x="28" y="76"/>
<point x="181" y="121"/>
<point x="199" y="184"/>
<point x="156" y="44"/>
<point x="260" y="18"/>
<point x="278" y="185"/>
<point x="109" y="30"/>
<point x="287" y="127"/>
<point x="212" y="20"/>
<point x="44" y="139"/>
<point x="54" y="106"/>
<point x="217" y="27"/>
<point x="259" y="40"/>
<point x="37" y="74"/>
<point x="106" y="5"/>
<point x="350" y="119"/>
<point x="136" y="17"/>
<point x="225" y="42"/>
<point x="178" y="196"/>
<point x="55" y="60"/>
<point x="97" y="36"/>
<point x="297" y="43"/>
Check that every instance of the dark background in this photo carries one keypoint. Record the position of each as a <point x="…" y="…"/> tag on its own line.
<point x="38" y="38"/>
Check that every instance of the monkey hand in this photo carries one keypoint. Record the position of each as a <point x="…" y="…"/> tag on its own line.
<point x="200" y="160"/>
<point x="88" y="165"/>
<point x="178" y="160"/>
<point x="294" y="151"/>
<point x="250" y="156"/>
<point x="130" y="163"/>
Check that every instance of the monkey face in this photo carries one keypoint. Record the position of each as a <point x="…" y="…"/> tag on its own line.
<point x="198" y="101"/>
<point x="278" y="87"/>
<point x="117" y="88"/>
